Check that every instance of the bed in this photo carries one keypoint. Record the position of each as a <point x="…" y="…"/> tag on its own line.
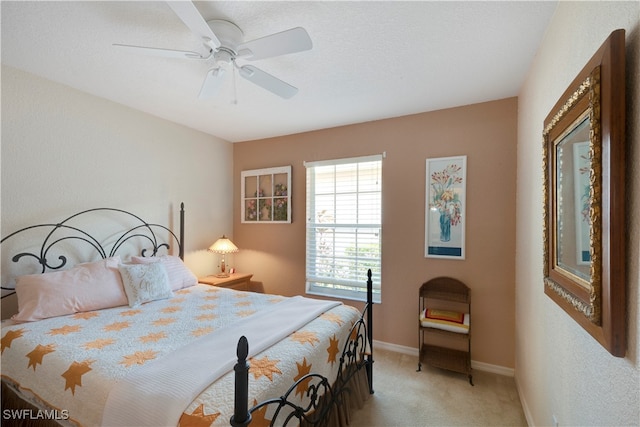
<point x="128" y="337"/>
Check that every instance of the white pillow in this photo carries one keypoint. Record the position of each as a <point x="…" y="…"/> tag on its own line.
<point x="179" y="275"/>
<point x="145" y="282"/>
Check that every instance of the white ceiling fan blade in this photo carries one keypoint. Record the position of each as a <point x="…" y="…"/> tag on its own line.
<point x="165" y="53"/>
<point x="212" y="83"/>
<point x="267" y="81"/>
<point x="191" y="17"/>
<point x="289" y="41"/>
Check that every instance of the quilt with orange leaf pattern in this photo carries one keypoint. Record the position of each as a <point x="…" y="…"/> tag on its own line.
<point x="70" y="363"/>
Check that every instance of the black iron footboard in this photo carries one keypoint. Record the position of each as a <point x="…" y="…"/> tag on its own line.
<point x="327" y="401"/>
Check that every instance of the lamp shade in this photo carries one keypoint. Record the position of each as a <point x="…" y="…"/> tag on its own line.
<point x="223" y="246"/>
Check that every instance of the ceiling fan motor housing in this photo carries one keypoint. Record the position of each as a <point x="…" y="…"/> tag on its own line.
<point x="224" y="56"/>
<point x="225" y="43"/>
<point x="229" y="34"/>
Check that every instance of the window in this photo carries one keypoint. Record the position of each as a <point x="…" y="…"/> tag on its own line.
<point x="344" y="227"/>
<point x="266" y="195"/>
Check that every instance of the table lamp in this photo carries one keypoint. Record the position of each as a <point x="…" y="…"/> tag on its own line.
<point x="223" y="246"/>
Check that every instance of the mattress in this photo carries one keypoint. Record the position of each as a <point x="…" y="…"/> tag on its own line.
<point x="71" y="364"/>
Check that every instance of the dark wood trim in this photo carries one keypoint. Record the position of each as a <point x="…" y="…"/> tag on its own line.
<point x="609" y="245"/>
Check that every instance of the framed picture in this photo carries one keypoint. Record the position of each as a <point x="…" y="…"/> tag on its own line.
<point x="445" y="210"/>
<point x="266" y="195"/>
<point x="585" y="216"/>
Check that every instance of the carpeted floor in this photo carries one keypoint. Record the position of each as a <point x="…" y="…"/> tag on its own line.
<point x="435" y="397"/>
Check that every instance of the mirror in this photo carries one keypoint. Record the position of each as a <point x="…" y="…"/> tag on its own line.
<point x="584" y="218"/>
<point x="572" y="206"/>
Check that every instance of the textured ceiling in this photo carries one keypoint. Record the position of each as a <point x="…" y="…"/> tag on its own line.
<point x="370" y="60"/>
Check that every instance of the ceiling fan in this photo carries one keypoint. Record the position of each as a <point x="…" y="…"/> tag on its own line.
<point x="223" y="41"/>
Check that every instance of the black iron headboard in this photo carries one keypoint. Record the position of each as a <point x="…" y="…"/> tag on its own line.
<point x="67" y="230"/>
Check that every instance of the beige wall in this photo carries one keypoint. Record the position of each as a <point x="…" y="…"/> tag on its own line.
<point x="64" y="151"/>
<point x="486" y="133"/>
<point x="561" y="370"/>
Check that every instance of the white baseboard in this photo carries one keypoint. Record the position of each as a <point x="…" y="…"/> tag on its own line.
<point x="495" y="369"/>
<point x="396" y="348"/>
<point x="525" y="407"/>
<point x="411" y="351"/>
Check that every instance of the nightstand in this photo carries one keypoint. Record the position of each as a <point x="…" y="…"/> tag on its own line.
<point x="237" y="281"/>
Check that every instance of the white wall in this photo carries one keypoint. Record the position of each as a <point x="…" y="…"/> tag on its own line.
<point x="560" y="369"/>
<point x="64" y="151"/>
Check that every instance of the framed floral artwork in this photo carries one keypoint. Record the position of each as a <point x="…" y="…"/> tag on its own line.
<point x="266" y="195"/>
<point x="445" y="210"/>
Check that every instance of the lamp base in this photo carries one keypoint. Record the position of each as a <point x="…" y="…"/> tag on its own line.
<point x="223" y="269"/>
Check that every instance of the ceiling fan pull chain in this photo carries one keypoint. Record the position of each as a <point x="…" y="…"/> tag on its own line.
<point x="234" y="101"/>
<point x="224" y="42"/>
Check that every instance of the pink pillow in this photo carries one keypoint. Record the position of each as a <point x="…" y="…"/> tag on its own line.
<point x="85" y="287"/>
<point x="179" y="275"/>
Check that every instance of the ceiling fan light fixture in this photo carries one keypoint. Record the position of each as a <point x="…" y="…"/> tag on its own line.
<point x="225" y="42"/>
<point x="212" y="83"/>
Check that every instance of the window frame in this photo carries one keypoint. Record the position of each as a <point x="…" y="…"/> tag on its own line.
<point x="353" y="288"/>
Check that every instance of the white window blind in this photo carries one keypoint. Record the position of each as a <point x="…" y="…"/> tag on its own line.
<point x="344" y="227"/>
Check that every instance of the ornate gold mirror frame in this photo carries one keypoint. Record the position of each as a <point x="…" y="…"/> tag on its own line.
<point x="584" y="217"/>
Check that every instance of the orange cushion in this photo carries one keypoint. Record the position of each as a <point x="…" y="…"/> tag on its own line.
<point x="449" y="316"/>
